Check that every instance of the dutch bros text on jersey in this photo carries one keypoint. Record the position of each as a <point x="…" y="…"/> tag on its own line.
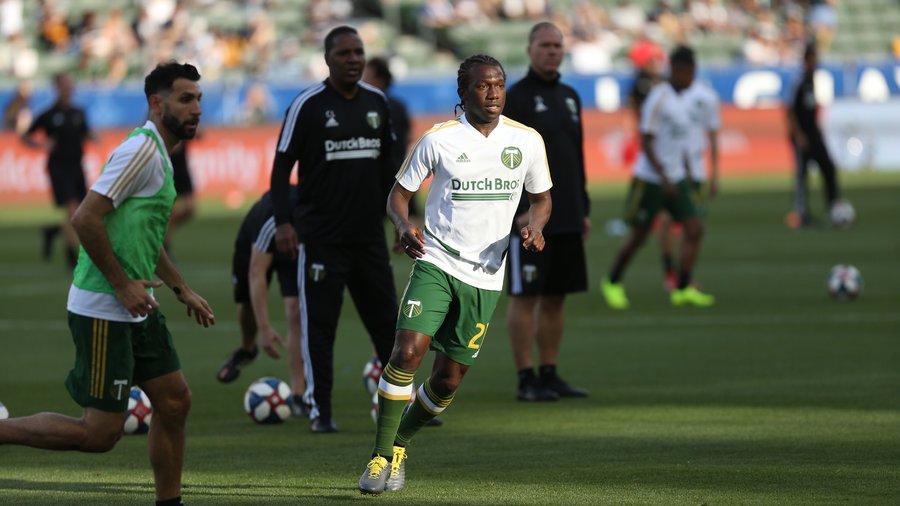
<point x="477" y="184"/>
<point x="703" y="105"/>
<point x="665" y="115"/>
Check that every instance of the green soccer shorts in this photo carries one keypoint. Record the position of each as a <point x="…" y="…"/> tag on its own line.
<point x="646" y="199"/>
<point x="111" y="356"/>
<point x="454" y="314"/>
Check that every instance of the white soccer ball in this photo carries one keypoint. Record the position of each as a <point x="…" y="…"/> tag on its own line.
<point x="137" y="419"/>
<point x="371" y="375"/>
<point x="845" y="282"/>
<point x="841" y="213"/>
<point x="4" y="413"/>
<point x="268" y="401"/>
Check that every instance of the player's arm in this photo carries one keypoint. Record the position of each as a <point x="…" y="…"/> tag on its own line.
<point x="260" y="263"/>
<point x="538" y="214"/>
<point x="650" y="153"/>
<point x="411" y="238"/>
<point x="91" y="229"/>
<point x="196" y="305"/>
<point x="27" y="137"/>
<point x="279" y="186"/>
<point x="714" y="161"/>
<point x="794" y="129"/>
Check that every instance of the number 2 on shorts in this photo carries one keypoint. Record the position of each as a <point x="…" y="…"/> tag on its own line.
<point x="482" y="329"/>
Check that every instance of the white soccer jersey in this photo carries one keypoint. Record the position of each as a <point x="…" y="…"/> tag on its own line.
<point x="135" y="169"/>
<point x="704" y="109"/>
<point x="477" y="184"/>
<point x="665" y="115"/>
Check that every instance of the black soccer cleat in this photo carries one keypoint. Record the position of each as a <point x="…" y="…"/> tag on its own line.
<point x="556" y="385"/>
<point x="323" y="426"/>
<point x="231" y="369"/>
<point x="531" y="390"/>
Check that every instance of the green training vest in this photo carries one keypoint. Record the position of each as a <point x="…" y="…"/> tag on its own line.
<point x="136" y="230"/>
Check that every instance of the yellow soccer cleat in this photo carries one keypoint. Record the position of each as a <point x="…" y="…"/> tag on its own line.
<point x="375" y="476"/>
<point x="690" y="296"/>
<point x="614" y="294"/>
<point x="398" y="470"/>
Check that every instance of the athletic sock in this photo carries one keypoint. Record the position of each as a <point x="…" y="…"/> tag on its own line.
<point x="684" y="279"/>
<point x="394" y="390"/>
<point x="667" y="263"/>
<point x="175" y="501"/>
<point x="427" y="406"/>
<point x="525" y="376"/>
<point x="547" y="371"/>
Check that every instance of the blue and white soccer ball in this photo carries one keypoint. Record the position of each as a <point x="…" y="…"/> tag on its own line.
<point x="267" y="401"/>
<point x="137" y="419"/>
<point x="4" y="413"/>
<point x="371" y="375"/>
<point x="845" y="282"/>
<point x="841" y="213"/>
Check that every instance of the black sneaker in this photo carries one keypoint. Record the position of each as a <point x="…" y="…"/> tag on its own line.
<point x="231" y="369"/>
<point x="562" y="389"/>
<point x="323" y="426"/>
<point x="532" y="390"/>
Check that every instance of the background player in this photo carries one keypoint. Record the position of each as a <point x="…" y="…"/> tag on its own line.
<point x="65" y="128"/>
<point x="458" y="273"/>
<point x="661" y="182"/>
<point x="120" y="334"/>
<point x="705" y="123"/>
<point x="539" y="282"/>
<point x="808" y="141"/>
<point x="339" y="133"/>
<point x="255" y="258"/>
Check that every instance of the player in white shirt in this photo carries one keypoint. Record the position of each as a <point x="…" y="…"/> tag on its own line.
<point x="703" y="107"/>
<point x="481" y="163"/>
<point x="661" y="181"/>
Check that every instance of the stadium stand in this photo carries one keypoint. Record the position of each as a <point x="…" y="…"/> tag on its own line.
<point x="278" y="40"/>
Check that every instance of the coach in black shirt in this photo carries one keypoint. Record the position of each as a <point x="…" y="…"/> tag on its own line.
<point x="340" y="133"/>
<point x="807" y="139"/>
<point x="539" y="282"/>
<point x="66" y="129"/>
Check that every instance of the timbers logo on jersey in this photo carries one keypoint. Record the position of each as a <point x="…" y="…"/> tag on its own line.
<point x="511" y="157"/>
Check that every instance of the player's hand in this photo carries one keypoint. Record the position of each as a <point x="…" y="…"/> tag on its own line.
<point x="412" y="241"/>
<point x="286" y="240"/>
<point x="586" y="231"/>
<point x="802" y="141"/>
<point x="670" y="191"/>
<point x="196" y="307"/>
<point x="713" y="187"/>
<point x="532" y="240"/>
<point x="133" y="295"/>
<point x="267" y="339"/>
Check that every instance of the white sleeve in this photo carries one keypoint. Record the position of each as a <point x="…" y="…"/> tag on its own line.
<point x="537" y="179"/>
<point x="651" y="112"/>
<point x="125" y="173"/>
<point x="420" y="163"/>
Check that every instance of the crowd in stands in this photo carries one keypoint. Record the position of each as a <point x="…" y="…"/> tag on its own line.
<point x="280" y="39"/>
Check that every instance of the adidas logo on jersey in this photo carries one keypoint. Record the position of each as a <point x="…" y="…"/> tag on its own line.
<point x="463" y="159"/>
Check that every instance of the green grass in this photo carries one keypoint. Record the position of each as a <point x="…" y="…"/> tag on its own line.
<point x="777" y="395"/>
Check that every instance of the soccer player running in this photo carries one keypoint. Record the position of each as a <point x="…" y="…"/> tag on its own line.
<point x="481" y="163"/>
<point x="120" y="334"/>
<point x="807" y="140"/>
<point x="254" y="260"/>
<point x="339" y="133"/>
<point x="66" y="129"/>
<point x="705" y="123"/>
<point x="539" y="282"/>
<point x="661" y="182"/>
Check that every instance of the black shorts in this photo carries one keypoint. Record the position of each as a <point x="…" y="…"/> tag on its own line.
<point x="240" y="278"/>
<point x="560" y="269"/>
<point x="67" y="183"/>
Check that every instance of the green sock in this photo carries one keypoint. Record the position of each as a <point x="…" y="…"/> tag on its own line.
<point x="394" y="391"/>
<point x="427" y="406"/>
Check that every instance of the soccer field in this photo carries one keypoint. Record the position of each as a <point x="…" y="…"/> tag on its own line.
<point x="777" y="395"/>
